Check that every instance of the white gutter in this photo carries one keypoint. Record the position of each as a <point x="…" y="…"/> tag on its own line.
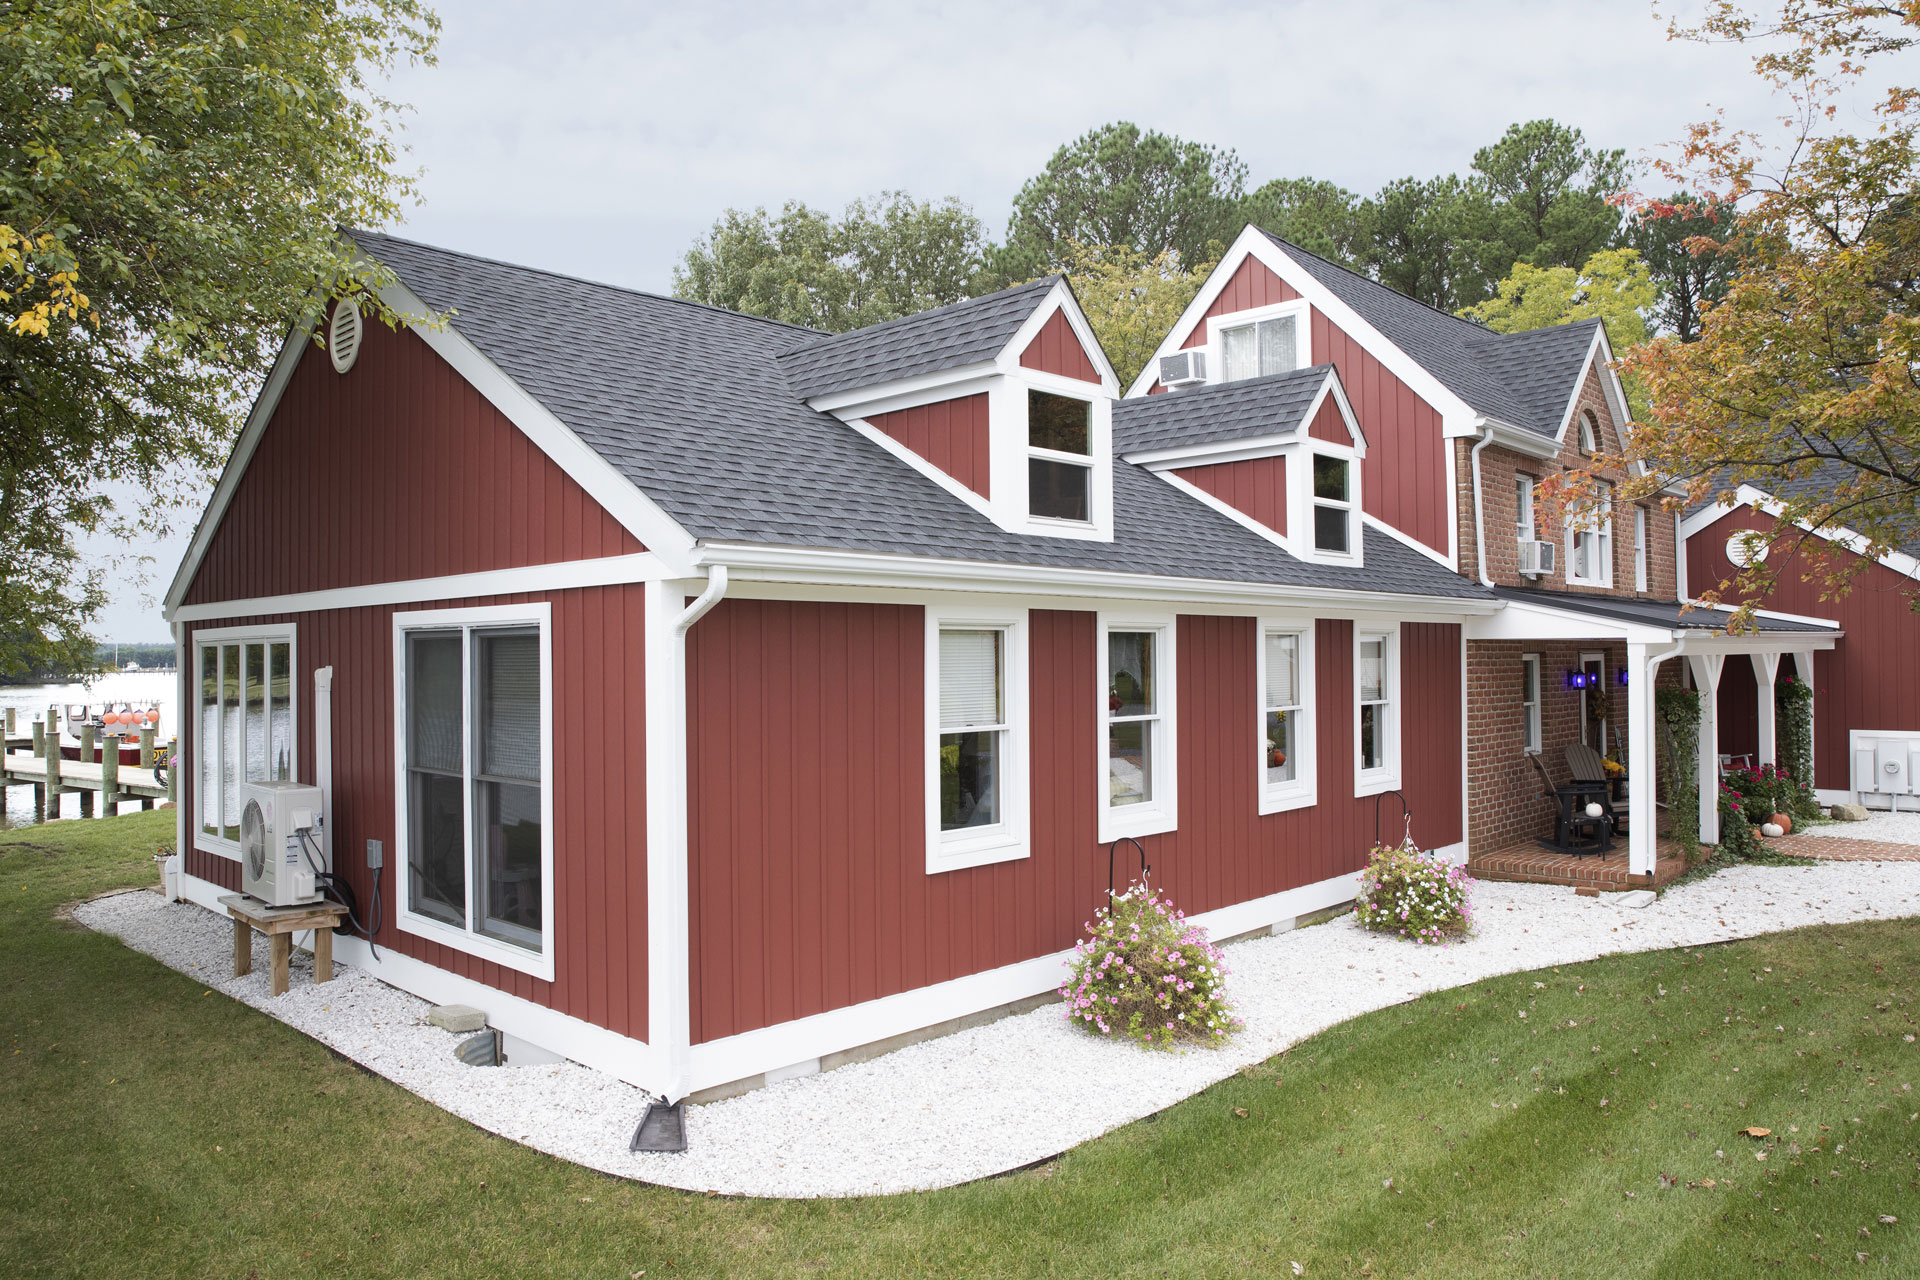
<point x="716" y="588"/>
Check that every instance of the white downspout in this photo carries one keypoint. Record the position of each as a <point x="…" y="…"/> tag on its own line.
<point x="323" y="759"/>
<point x="669" y="962"/>
<point x="1479" y="517"/>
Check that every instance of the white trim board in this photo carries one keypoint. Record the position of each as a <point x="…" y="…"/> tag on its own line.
<point x="605" y="571"/>
<point x="1749" y="496"/>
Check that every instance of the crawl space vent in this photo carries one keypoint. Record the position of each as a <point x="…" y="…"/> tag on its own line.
<point x="343" y="335"/>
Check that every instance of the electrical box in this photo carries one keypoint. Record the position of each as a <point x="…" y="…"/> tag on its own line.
<point x="1885" y="764"/>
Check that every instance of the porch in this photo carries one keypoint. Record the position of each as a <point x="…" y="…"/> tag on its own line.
<point x="1610" y="654"/>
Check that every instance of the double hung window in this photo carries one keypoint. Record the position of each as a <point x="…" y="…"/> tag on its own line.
<point x="1059" y="457"/>
<point x="1530" y="703"/>
<point x="1332" y="505"/>
<point x="976" y="713"/>
<point x="246" y="720"/>
<point x="1137" y="741"/>
<point x="1639" y="548"/>
<point x="474" y="690"/>
<point x="1523" y="526"/>
<point x="1377" y="736"/>
<point x="1286" y="724"/>
<point x="1590" y="544"/>
<point x="1260" y="347"/>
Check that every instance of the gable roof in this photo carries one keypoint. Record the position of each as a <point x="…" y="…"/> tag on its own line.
<point x="1270" y="406"/>
<point x="972" y="331"/>
<point x="694" y="406"/>
<point x="1525" y="379"/>
<point x="1823" y="478"/>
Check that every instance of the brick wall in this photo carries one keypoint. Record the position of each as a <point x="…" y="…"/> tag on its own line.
<point x="1499" y="467"/>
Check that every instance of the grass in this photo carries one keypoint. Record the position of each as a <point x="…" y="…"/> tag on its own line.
<point x="155" y="1130"/>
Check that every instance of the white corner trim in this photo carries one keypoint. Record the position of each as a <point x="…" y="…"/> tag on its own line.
<point x="605" y="571"/>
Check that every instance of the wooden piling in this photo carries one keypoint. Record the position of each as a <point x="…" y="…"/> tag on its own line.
<point x="110" y="777"/>
<point x="10" y="722"/>
<point x="39" y="739"/>
<point x="53" y="776"/>
<point x="146" y="746"/>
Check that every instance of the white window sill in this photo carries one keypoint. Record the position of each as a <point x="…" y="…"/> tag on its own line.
<point x="1375" y="782"/>
<point x="1122" y="824"/>
<point x="1588" y="582"/>
<point x="959" y="855"/>
<point x="218" y="847"/>
<point x="1285" y="801"/>
<point x="506" y="955"/>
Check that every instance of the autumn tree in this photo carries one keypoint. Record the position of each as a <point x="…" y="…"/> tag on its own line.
<point x="881" y="259"/>
<point x="173" y="179"/>
<point x="1131" y="300"/>
<point x="1121" y="186"/>
<point x="1803" y="379"/>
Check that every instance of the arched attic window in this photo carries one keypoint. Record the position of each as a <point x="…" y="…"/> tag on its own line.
<point x="1589" y="433"/>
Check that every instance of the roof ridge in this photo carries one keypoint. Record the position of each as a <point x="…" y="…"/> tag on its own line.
<point x="573" y="279"/>
<point x="1049" y="281"/>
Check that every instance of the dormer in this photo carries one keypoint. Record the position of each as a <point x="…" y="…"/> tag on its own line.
<point x="1004" y="401"/>
<point x="1281" y="454"/>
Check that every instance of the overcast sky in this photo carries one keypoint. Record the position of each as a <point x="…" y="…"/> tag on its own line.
<point x="599" y="139"/>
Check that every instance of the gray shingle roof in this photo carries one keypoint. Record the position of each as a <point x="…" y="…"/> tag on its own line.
<point x="1274" y="405"/>
<point x="692" y="405"/>
<point x="1652" y="613"/>
<point x="948" y="337"/>
<point x="1524" y="379"/>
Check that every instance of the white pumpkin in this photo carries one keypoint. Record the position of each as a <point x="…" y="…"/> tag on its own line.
<point x="1594" y="811"/>
<point x="1771" y="829"/>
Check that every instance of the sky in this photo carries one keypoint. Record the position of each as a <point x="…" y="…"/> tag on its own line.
<point x="600" y="139"/>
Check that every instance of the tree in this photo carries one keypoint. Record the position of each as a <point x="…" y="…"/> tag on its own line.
<point x="1119" y="186"/>
<point x="1803" y="379"/>
<point x="1321" y="217"/>
<point x="1413" y="237"/>
<point x="174" y="182"/>
<point x="1131" y="301"/>
<point x="1542" y="196"/>
<point x="881" y="259"/>
<point x="1685" y="245"/>
<point x="1614" y="287"/>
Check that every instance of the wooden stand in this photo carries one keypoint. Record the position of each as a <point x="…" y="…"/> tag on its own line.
<point x="280" y="924"/>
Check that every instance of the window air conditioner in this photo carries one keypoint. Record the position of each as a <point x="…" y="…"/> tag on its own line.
<point x="280" y="844"/>
<point x="1536" y="558"/>
<point x="1183" y="369"/>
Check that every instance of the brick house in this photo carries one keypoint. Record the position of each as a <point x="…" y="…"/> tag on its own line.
<point x="1463" y="424"/>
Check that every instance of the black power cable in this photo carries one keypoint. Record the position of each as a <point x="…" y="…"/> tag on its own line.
<point x="340" y="891"/>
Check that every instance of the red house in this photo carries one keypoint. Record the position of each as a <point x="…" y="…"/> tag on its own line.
<point x="721" y="699"/>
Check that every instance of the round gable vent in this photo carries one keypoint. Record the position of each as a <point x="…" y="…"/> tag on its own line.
<point x="343" y="335"/>
<point x="1746" y="547"/>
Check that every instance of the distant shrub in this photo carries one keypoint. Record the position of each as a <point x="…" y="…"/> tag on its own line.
<point x="1415" y="895"/>
<point x="1144" y="973"/>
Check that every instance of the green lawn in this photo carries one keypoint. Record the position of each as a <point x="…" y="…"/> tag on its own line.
<point x="156" y="1130"/>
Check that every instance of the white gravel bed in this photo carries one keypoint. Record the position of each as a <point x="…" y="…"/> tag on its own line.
<point x="1008" y="1094"/>
<point x="1881" y="825"/>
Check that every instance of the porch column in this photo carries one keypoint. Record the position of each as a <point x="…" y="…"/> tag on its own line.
<point x="1642" y="851"/>
<point x="1706" y="678"/>
<point x="1766" y="668"/>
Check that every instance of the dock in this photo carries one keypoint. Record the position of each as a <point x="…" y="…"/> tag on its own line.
<point x="102" y="784"/>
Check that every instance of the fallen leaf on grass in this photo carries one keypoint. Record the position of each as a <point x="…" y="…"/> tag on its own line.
<point x="1755" y="1131"/>
<point x="1241" y="1112"/>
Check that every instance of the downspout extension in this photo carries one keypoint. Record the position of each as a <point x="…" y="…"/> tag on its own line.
<point x="1479" y="517"/>
<point x="716" y="589"/>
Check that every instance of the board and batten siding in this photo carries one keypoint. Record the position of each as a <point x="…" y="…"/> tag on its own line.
<point x="1405" y="482"/>
<point x="599" y="791"/>
<point x="1255" y="487"/>
<point x="1869" y="680"/>
<point x="1056" y="349"/>
<point x="950" y="434"/>
<point x="397" y="469"/>
<point x="809" y="888"/>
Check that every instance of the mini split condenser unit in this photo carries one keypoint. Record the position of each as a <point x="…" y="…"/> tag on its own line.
<point x="1183" y="369"/>
<point x="1536" y="558"/>
<point x="1886" y="765"/>
<point x="281" y="849"/>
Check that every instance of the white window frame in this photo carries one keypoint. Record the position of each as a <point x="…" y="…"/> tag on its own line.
<point x="1530" y="722"/>
<point x="1351" y="505"/>
<point x="1301" y="311"/>
<point x="1639" y="548"/>
<point x="213" y="842"/>
<point x="1525" y="528"/>
<point x="1085" y="461"/>
<point x="1162" y="812"/>
<point x="1303" y="790"/>
<point x="538" y="614"/>
<point x="1010" y="838"/>
<point x="1371" y="782"/>
<point x="1601" y="530"/>
<point x="1589" y="433"/>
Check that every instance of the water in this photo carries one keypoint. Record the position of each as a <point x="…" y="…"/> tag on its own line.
<point x="138" y="688"/>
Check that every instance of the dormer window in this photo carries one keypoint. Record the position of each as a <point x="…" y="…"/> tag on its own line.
<point x="1332" y="505"/>
<point x="1260" y="348"/>
<point x="1059" y="457"/>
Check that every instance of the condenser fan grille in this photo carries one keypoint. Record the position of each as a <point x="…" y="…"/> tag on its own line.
<point x="253" y="839"/>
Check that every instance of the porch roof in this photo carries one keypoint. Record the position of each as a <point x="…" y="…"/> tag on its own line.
<point x="1534" y="614"/>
